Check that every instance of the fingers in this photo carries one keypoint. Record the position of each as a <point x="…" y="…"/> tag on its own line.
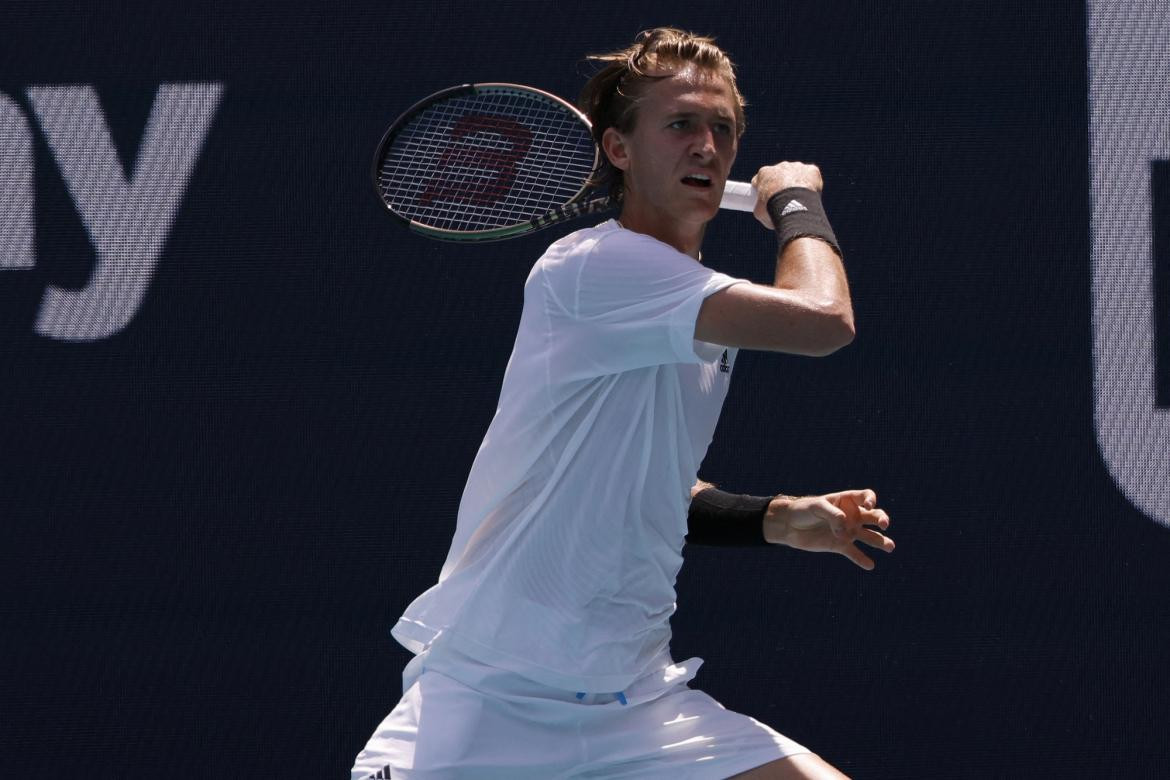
<point x="874" y="539"/>
<point x="773" y="178"/>
<point x="870" y="537"/>
<point x="846" y="527"/>
<point x="876" y="517"/>
<point x="863" y="499"/>
<point x="853" y="516"/>
<point x="859" y="506"/>
<point x="858" y="557"/>
<point x="859" y="529"/>
<point x="861" y="503"/>
<point x="760" y="212"/>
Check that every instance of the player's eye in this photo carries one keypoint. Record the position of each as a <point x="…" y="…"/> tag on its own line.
<point x="679" y="124"/>
<point x="723" y="128"/>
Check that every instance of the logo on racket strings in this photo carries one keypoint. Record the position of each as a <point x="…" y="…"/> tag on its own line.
<point x="479" y="165"/>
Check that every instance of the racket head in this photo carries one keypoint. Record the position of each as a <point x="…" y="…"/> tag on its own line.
<point x="485" y="162"/>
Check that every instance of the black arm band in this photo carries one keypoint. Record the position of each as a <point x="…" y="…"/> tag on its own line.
<point x="797" y="212"/>
<point x="719" y="519"/>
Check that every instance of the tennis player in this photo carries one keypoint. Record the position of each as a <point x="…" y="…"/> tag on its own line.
<point x="544" y="649"/>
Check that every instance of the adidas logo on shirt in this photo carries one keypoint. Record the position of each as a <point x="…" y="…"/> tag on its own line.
<point x="724" y="368"/>
<point x="792" y="207"/>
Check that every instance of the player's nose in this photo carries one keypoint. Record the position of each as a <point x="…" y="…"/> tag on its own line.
<point x="703" y="144"/>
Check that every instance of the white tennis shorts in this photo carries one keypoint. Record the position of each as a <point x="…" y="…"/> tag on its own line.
<point x="509" y="728"/>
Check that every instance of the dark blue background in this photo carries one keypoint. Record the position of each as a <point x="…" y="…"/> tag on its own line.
<point x="209" y="521"/>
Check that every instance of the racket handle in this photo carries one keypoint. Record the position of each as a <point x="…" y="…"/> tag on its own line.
<point x="739" y="195"/>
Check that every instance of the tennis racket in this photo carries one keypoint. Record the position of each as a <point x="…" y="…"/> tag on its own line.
<point x="486" y="162"/>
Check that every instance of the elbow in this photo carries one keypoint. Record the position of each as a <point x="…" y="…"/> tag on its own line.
<point x="833" y="331"/>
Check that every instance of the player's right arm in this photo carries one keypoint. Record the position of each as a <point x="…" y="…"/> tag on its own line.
<point x="807" y="309"/>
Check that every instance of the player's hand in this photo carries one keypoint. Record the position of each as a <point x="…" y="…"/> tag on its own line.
<point x="830" y="523"/>
<point x="773" y="178"/>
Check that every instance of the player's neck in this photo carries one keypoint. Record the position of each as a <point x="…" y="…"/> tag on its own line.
<point x="683" y="236"/>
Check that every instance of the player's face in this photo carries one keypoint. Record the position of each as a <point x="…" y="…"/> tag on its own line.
<point x="680" y="152"/>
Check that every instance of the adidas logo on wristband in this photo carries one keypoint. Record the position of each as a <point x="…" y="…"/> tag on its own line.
<point x="793" y="207"/>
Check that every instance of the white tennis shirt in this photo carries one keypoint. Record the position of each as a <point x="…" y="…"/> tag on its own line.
<point x="570" y="530"/>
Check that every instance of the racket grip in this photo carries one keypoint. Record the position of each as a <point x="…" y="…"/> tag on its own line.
<point x="739" y="195"/>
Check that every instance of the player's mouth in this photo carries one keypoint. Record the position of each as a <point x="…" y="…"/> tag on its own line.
<point x="697" y="180"/>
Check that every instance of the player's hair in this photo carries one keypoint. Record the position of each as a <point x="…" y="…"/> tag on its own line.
<point x="611" y="96"/>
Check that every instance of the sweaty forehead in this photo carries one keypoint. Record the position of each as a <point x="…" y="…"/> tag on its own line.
<point x="690" y="88"/>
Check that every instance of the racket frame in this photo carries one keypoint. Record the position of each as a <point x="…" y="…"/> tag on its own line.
<point x="573" y="207"/>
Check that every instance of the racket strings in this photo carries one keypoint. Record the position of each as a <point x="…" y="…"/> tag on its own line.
<point x="489" y="160"/>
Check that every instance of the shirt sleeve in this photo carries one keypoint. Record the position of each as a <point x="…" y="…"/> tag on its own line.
<point x="629" y="301"/>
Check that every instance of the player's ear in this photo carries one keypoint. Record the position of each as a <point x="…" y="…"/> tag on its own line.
<point x="615" y="148"/>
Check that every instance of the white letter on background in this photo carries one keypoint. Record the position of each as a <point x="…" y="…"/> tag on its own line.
<point x="128" y="218"/>
<point x="17" y="204"/>
<point x="1129" y="126"/>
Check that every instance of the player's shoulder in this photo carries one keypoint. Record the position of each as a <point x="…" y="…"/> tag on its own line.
<point x="608" y="241"/>
<point x="587" y="240"/>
